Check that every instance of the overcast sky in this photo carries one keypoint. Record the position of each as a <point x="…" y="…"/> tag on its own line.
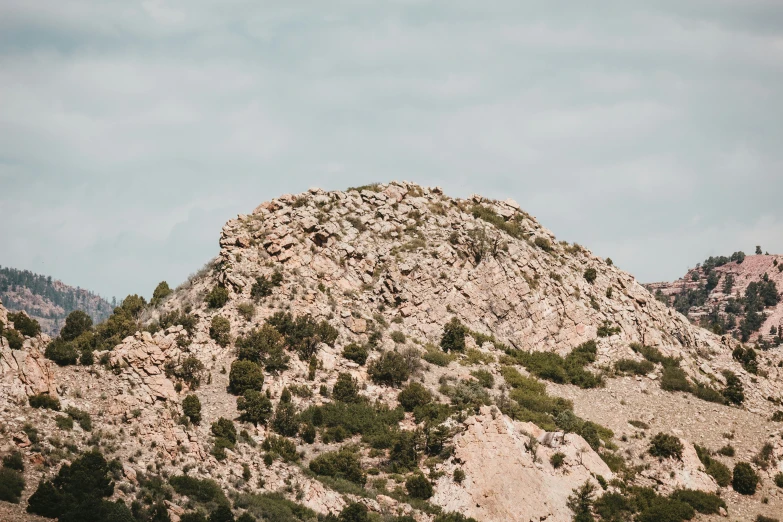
<point x="650" y="132"/>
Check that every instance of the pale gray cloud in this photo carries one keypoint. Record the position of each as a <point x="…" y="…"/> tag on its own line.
<point x="131" y="131"/>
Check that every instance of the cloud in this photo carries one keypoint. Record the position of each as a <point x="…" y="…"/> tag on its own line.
<point x="129" y="132"/>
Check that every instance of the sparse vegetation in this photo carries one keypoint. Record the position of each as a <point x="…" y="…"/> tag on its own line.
<point x="666" y="446"/>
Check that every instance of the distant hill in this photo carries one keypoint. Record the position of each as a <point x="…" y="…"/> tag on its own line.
<point x="48" y="300"/>
<point x="737" y="295"/>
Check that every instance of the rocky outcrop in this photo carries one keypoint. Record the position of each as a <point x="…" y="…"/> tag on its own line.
<point x="508" y="474"/>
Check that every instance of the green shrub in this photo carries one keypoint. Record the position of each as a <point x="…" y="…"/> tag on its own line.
<point x="437" y="357"/>
<point x="762" y="518"/>
<point x="607" y="330"/>
<point x="14" y="338"/>
<point x="76" y="324"/>
<point x="744" y="480"/>
<point x="340" y="464"/>
<point x="280" y="447"/>
<point x="14" y="460"/>
<point x="459" y="475"/>
<point x="654" y="355"/>
<point x="590" y="275"/>
<point x="453" y="517"/>
<point x="191" y="407"/>
<point x="397" y="336"/>
<point x="285" y="421"/>
<point x="702" y="502"/>
<point x="414" y="395"/>
<point x="346" y="388"/>
<point x="354" y="512"/>
<point x="418" y="486"/>
<point x="543" y="243"/>
<point x="453" y="338"/>
<point x="11" y="485"/>
<point x="62" y="352"/>
<point x="466" y="395"/>
<point x="224" y="429"/>
<point x="217" y="297"/>
<point x="553" y="367"/>
<point x="777" y="416"/>
<point x="81" y="417"/>
<point x="557" y="460"/>
<point x="377" y="424"/>
<point x="484" y="378"/>
<point x="666" y="446"/>
<point x="77" y="492"/>
<point x="24" y="324"/>
<point x="674" y="379"/>
<point x="734" y="390"/>
<point x="273" y="507"/>
<point x="263" y="286"/>
<point x="161" y="292"/>
<point x="220" y="330"/>
<point x="64" y="422"/>
<point x="245" y="375"/>
<point x="633" y="367"/>
<point x="356" y="353"/>
<point x="779" y="480"/>
<point x="708" y="394"/>
<point x="303" y="334"/>
<point x="246" y="310"/>
<point x="45" y="401"/>
<point x="204" y="491"/>
<point x="666" y="510"/>
<point x="390" y="369"/>
<point x="254" y="406"/>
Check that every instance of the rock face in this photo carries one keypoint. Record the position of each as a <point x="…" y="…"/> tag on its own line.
<point x="498" y="457"/>
<point x="387" y="266"/>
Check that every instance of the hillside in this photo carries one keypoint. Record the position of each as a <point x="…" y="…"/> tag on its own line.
<point x="738" y="295"/>
<point x="48" y="301"/>
<point x="389" y="353"/>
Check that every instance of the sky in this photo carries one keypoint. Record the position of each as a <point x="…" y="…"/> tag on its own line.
<point x="131" y="131"/>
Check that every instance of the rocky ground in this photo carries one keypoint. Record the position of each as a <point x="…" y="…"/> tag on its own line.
<point x="398" y="262"/>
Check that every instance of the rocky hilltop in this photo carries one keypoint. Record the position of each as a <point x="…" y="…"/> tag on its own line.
<point x="48" y="300"/>
<point x="390" y="353"/>
<point x="738" y="295"/>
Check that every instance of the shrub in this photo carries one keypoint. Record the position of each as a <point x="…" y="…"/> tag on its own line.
<point x="191" y="407"/>
<point x="390" y="369"/>
<point x="280" y="447"/>
<point x="397" y="336"/>
<point x="224" y="429"/>
<point x="246" y="310"/>
<point x="220" y="330"/>
<point x="11" y="485"/>
<point x="744" y="480"/>
<point x="254" y="406"/>
<point x="273" y="507"/>
<point x="14" y="460"/>
<point x="453" y="338"/>
<point x="263" y="286"/>
<point x="346" y="389"/>
<point x="356" y="353"/>
<point x="418" y="486"/>
<point x="64" y="422"/>
<point x="81" y="417"/>
<point x="580" y="502"/>
<point x="190" y="371"/>
<point x="762" y="518"/>
<point x="354" y="512"/>
<point x="459" y="475"/>
<point x="674" y="379"/>
<point x="590" y="275"/>
<point x="484" y="378"/>
<point x="607" y="330"/>
<point x="727" y="450"/>
<point x="303" y="333"/>
<point x="45" y="401"/>
<point x="15" y="339"/>
<point x="404" y="455"/>
<point x="702" y="502"/>
<point x="245" y="375"/>
<point x="161" y="292"/>
<point x="76" y="324"/>
<point x="76" y="491"/>
<point x="414" y="395"/>
<point x="553" y="367"/>
<point x="285" y="421"/>
<point x="198" y="490"/>
<point x="453" y="517"/>
<point x="779" y="480"/>
<point x="62" y="352"/>
<point x="543" y="243"/>
<point x="377" y="424"/>
<point x="217" y="297"/>
<point x="734" y="391"/>
<point x="633" y="367"/>
<point x="437" y="357"/>
<point x="340" y="464"/>
<point x="557" y="460"/>
<point x="24" y="324"/>
<point x="665" y="446"/>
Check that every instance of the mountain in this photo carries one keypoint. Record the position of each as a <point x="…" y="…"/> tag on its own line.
<point x="47" y="300"/>
<point x="390" y="353"/>
<point x="738" y="295"/>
